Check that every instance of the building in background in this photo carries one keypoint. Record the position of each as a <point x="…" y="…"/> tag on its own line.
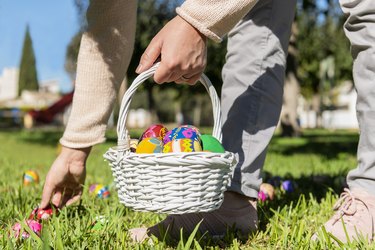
<point x="9" y="84"/>
<point x="341" y="116"/>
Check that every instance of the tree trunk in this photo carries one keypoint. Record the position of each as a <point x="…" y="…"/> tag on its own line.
<point x="151" y="105"/>
<point x="289" y="117"/>
<point x="197" y="110"/>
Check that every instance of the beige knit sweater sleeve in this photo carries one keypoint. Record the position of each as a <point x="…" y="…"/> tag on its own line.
<point x="106" y="50"/>
<point x="104" y="57"/>
<point x="214" y="18"/>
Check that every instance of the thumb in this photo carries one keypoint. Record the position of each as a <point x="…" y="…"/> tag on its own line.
<point x="46" y="196"/>
<point x="150" y="55"/>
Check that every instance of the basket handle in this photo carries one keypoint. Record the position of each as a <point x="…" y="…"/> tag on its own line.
<point x="122" y="132"/>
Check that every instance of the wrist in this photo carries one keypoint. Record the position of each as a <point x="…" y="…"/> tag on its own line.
<point x="75" y="154"/>
<point x="192" y="27"/>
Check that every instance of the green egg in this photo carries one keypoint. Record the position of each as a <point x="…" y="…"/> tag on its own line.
<point x="211" y="144"/>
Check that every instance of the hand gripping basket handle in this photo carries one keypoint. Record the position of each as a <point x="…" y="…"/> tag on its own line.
<point x="122" y="132"/>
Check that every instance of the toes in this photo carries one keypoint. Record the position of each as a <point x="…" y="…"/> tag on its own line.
<point x="138" y="234"/>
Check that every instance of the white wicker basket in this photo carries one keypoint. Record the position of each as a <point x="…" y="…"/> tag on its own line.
<point x="173" y="183"/>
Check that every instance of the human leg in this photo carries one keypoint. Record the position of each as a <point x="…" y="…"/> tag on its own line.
<point x="356" y="207"/>
<point x="253" y="88"/>
<point x="256" y="60"/>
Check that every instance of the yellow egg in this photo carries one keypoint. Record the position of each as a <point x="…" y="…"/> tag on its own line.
<point x="149" y="145"/>
<point x="30" y="176"/>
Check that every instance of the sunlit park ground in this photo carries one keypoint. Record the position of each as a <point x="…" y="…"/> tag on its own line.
<point x="317" y="163"/>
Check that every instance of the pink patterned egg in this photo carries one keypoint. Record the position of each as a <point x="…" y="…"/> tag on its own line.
<point x="182" y="145"/>
<point x="156" y="131"/>
<point x="35" y="226"/>
<point x="192" y="127"/>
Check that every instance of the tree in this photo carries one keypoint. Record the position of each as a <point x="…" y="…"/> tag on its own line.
<point x="320" y="36"/>
<point x="72" y="55"/>
<point x="73" y="47"/>
<point x="28" y="79"/>
<point x="289" y="117"/>
<point x="152" y="15"/>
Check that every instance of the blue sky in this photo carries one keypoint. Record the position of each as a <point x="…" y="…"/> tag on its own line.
<point x="52" y="25"/>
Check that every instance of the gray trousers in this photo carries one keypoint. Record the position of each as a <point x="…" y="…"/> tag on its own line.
<point x="360" y="29"/>
<point x="252" y="92"/>
<point x="253" y="87"/>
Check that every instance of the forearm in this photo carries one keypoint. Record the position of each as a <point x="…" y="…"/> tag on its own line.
<point x="214" y="18"/>
<point x="104" y="56"/>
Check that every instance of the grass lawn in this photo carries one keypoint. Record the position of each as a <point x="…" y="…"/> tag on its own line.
<point x="317" y="163"/>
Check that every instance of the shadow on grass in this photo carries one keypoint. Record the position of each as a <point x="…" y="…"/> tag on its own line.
<point x="327" y="144"/>
<point x="41" y="136"/>
<point x="318" y="185"/>
<point x="52" y="135"/>
<point x="319" y="142"/>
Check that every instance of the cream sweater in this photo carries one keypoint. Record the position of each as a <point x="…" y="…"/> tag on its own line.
<point x="105" y="53"/>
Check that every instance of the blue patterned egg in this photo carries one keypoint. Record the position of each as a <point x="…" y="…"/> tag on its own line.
<point x="181" y="133"/>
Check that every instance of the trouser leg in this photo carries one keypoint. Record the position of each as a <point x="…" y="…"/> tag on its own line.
<point x="253" y="88"/>
<point x="360" y="30"/>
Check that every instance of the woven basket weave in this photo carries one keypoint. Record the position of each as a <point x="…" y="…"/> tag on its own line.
<point x="172" y="183"/>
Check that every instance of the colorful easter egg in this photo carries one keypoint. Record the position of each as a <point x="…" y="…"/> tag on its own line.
<point x="211" y="144"/>
<point x="99" y="223"/>
<point x="181" y="133"/>
<point x="182" y="145"/>
<point x="156" y="131"/>
<point x="133" y="145"/>
<point x="35" y="226"/>
<point x="287" y="186"/>
<point x="30" y="177"/>
<point x="168" y="136"/>
<point x="42" y="214"/>
<point x="268" y="190"/>
<point x="192" y="127"/>
<point x="99" y="190"/>
<point x="149" y="146"/>
<point x="262" y="196"/>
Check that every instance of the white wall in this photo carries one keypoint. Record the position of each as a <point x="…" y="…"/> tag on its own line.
<point x="9" y="84"/>
<point x="341" y="118"/>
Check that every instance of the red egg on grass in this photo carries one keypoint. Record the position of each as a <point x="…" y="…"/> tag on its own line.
<point x="43" y="214"/>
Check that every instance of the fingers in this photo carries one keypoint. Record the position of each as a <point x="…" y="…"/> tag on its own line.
<point x="56" y="199"/>
<point x="150" y="55"/>
<point x="68" y="197"/>
<point x="191" y="80"/>
<point x="182" y="50"/>
<point x="165" y="74"/>
<point x="74" y="199"/>
<point x="47" y="194"/>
